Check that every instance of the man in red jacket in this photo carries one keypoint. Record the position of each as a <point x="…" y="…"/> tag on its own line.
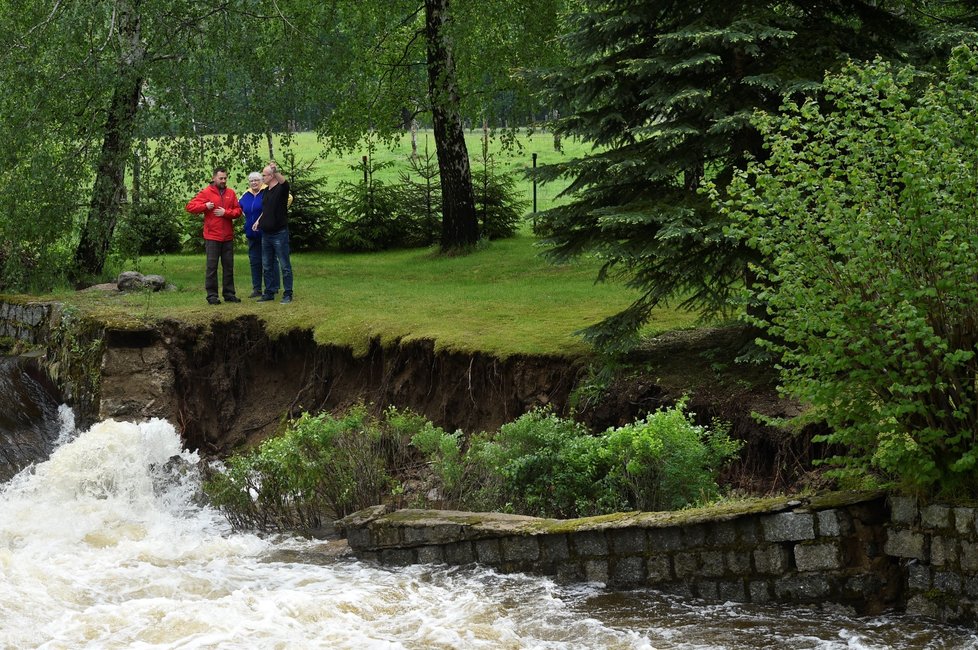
<point x="219" y="205"/>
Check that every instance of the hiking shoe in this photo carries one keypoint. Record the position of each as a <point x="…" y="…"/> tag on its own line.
<point x="232" y="299"/>
<point x="213" y="301"/>
<point x="266" y="298"/>
<point x="286" y="300"/>
<point x="255" y="294"/>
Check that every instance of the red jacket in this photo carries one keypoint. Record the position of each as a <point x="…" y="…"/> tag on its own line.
<point x="216" y="228"/>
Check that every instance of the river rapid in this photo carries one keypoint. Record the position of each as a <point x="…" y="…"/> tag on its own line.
<point x="106" y="545"/>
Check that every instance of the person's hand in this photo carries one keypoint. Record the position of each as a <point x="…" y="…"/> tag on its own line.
<point x="209" y="205"/>
<point x="219" y="212"/>
<point x="273" y="166"/>
<point x="255" y="226"/>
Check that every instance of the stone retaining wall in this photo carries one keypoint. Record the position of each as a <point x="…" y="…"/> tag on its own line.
<point x="814" y="551"/>
<point x="29" y="322"/>
<point x="937" y="547"/>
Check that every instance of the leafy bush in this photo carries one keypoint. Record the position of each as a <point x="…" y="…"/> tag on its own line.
<point x="322" y="467"/>
<point x="865" y="213"/>
<point x="549" y="466"/>
<point x="151" y="227"/>
<point x="666" y="462"/>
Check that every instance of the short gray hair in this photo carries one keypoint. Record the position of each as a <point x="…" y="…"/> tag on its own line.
<point x="253" y="176"/>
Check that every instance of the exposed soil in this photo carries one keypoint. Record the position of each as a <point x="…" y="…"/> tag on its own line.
<point x="231" y="385"/>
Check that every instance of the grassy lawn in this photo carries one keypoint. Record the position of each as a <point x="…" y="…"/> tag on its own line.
<point x="504" y="299"/>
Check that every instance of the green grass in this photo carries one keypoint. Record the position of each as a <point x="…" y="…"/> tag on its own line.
<point x="503" y="299"/>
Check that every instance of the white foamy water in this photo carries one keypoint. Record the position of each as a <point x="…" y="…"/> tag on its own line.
<point x="103" y="546"/>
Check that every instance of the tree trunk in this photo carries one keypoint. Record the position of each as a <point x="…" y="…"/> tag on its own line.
<point x="109" y="191"/>
<point x="459" y="224"/>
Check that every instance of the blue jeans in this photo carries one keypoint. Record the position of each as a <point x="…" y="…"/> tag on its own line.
<point x="275" y="248"/>
<point x="255" y="259"/>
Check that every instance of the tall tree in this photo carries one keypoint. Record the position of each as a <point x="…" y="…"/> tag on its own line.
<point x="443" y="58"/>
<point x="666" y="90"/>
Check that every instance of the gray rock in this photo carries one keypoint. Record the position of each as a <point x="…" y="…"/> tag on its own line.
<point x="789" y="527"/>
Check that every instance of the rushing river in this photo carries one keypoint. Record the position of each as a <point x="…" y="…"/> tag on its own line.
<point x="104" y="545"/>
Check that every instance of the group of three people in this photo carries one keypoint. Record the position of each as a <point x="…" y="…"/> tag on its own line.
<point x="265" y="206"/>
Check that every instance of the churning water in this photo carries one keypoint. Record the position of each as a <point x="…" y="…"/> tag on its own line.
<point x="105" y="546"/>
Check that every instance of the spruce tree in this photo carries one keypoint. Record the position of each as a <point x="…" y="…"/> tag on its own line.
<point x="665" y="90"/>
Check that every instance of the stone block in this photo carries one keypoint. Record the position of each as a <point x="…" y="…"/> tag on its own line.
<point x="759" y="591"/>
<point x="738" y="562"/>
<point x="732" y="590"/>
<point x="943" y="551"/>
<point x="627" y="541"/>
<point x="970" y="586"/>
<point x="903" y="510"/>
<point x="596" y="571"/>
<point x="919" y="577"/>
<point x="488" y="551"/>
<point x="723" y="533"/>
<point x="685" y="565"/>
<point x="591" y="543"/>
<point x="658" y="569"/>
<point x="431" y="555"/>
<point x="436" y="534"/>
<point x="964" y="521"/>
<point x="711" y="564"/>
<point x="369" y="556"/>
<point x="968" y="557"/>
<point x="554" y="548"/>
<point x="358" y="538"/>
<point x="833" y="523"/>
<point x="803" y="589"/>
<point x="460" y="553"/>
<point x="936" y="517"/>
<point x="627" y="571"/>
<point x="385" y="536"/>
<point x="949" y="583"/>
<point x="570" y="572"/>
<point x="818" y="557"/>
<point x="708" y="590"/>
<point x="789" y="527"/>
<point x="694" y="536"/>
<point x="520" y="549"/>
<point x="398" y="557"/>
<point x="906" y="543"/>
<point x="771" y="560"/>
<point x="920" y="605"/>
<point x="664" y="539"/>
<point x="863" y="586"/>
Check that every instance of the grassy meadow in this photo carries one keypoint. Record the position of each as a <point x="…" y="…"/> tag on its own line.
<point x="504" y="298"/>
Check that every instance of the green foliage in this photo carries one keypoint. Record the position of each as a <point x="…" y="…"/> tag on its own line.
<point x="865" y="209"/>
<point x="666" y="462"/>
<point x="311" y="214"/>
<point x="665" y="91"/>
<point x="419" y="195"/>
<point x="549" y="466"/>
<point x="323" y="467"/>
<point x="368" y="218"/>
<point x="497" y="202"/>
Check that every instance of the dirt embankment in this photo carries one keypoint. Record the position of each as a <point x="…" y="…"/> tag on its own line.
<point x="231" y="385"/>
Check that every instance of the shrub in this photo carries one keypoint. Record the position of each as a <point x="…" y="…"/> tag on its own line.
<point x="865" y="215"/>
<point x="419" y="199"/>
<point x="321" y="468"/>
<point x="367" y="212"/>
<point x="666" y="462"/>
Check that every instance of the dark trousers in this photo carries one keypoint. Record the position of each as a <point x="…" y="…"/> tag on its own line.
<point x="223" y="251"/>
<point x="255" y="260"/>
